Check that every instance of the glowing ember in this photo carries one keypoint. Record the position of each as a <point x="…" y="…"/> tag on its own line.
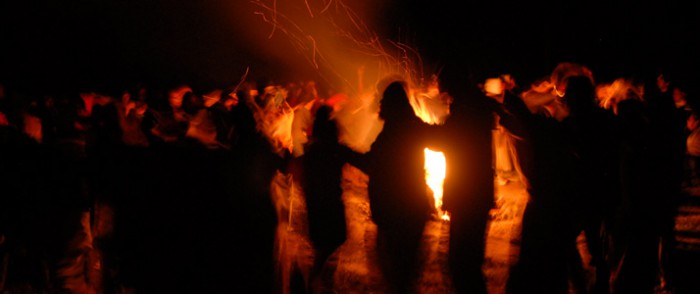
<point x="435" y="165"/>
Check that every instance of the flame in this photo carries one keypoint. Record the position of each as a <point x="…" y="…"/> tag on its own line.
<point x="435" y="165"/>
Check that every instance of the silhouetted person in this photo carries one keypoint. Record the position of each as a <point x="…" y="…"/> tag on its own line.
<point x="590" y="133"/>
<point x="399" y="202"/>
<point x="669" y="112"/>
<point x="651" y="174"/>
<point x="469" y="190"/>
<point x="254" y="167"/>
<point x="323" y="162"/>
<point x="103" y="147"/>
<point x="23" y="206"/>
<point x="547" y="236"/>
<point x="634" y="255"/>
<point x="223" y="118"/>
<point x="170" y="122"/>
<point x="68" y="199"/>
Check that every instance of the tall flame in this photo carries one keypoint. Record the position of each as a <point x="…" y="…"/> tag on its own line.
<point x="435" y="165"/>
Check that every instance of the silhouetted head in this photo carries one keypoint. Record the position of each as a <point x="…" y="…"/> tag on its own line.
<point x="580" y="93"/>
<point x="192" y="103"/>
<point x="394" y="104"/>
<point x="176" y="96"/>
<point x="324" y="127"/>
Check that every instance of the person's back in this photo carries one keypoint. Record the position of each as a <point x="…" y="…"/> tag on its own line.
<point x="322" y="177"/>
<point x="468" y="188"/>
<point x="590" y="136"/>
<point x="397" y="178"/>
<point x="254" y="169"/>
<point x="634" y="251"/>
<point x="398" y="197"/>
<point x="546" y="236"/>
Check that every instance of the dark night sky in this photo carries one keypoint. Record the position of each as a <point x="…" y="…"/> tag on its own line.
<point x="58" y="44"/>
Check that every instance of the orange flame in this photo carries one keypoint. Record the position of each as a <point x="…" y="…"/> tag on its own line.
<point x="435" y="165"/>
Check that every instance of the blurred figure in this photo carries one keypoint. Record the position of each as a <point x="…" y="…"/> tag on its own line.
<point x="255" y="165"/>
<point x="103" y="148"/>
<point x="307" y="103"/>
<point x="591" y="137"/>
<point x="468" y="187"/>
<point x="322" y="177"/>
<point x="650" y="167"/>
<point x="245" y="131"/>
<point x="172" y="121"/>
<point x="221" y="114"/>
<point x="309" y="92"/>
<point x="131" y="113"/>
<point x="202" y="125"/>
<point x="675" y="127"/>
<point x="548" y="235"/>
<point x="634" y="250"/>
<point x="668" y="112"/>
<point x="133" y="187"/>
<point x="399" y="201"/>
<point x="23" y="207"/>
<point x="69" y="202"/>
<point x="693" y="151"/>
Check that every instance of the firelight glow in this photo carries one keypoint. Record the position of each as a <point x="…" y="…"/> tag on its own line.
<point x="435" y="165"/>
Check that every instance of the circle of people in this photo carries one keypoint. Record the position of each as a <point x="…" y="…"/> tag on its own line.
<point x="605" y="160"/>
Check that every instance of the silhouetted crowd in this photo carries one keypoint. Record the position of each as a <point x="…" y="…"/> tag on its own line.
<point x="168" y="191"/>
<point x="155" y="191"/>
<point x="604" y="160"/>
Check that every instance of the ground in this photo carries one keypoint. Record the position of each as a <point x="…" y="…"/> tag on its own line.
<point x="353" y="268"/>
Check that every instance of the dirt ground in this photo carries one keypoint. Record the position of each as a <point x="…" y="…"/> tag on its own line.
<point x="353" y="267"/>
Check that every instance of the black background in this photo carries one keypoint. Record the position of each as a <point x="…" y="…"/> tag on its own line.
<point x="57" y="45"/>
